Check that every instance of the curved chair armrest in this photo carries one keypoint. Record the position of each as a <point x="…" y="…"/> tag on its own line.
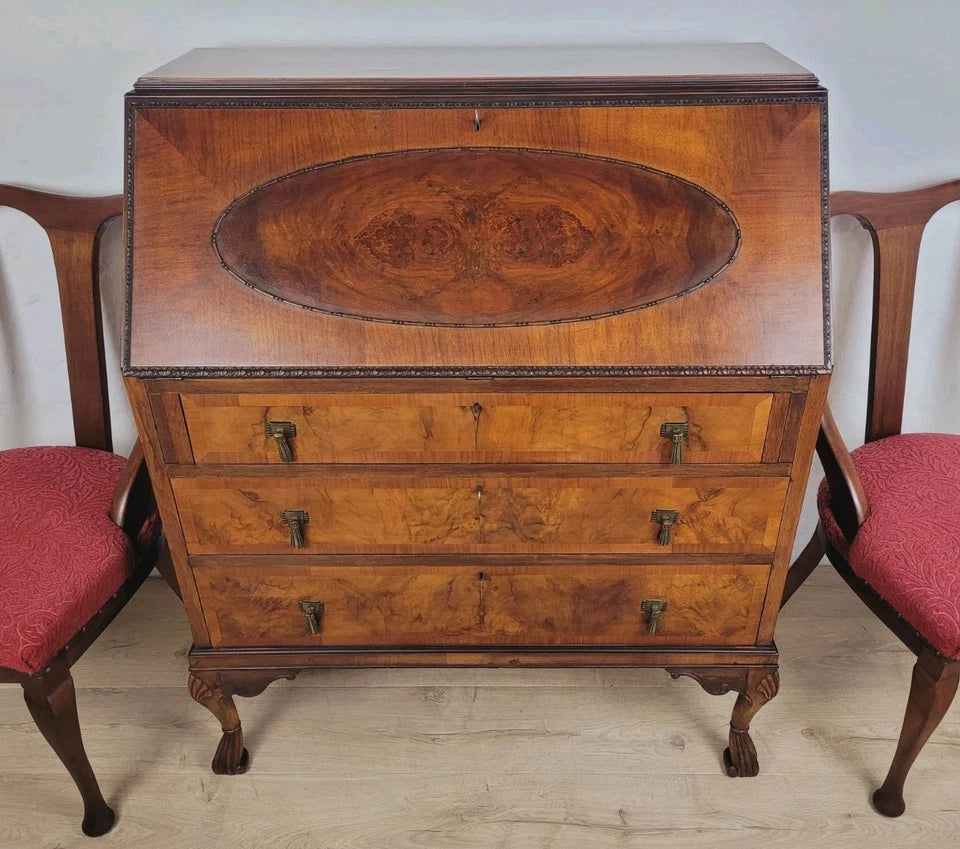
<point x="133" y="498"/>
<point x="848" y="499"/>
<point x="65" y="213"/>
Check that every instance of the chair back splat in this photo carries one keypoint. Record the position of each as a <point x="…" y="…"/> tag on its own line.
<point x="73" y="226"/>
<point x="896" y="222"/>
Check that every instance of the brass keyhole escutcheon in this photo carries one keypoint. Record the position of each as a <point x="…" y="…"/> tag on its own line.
<point x="295" y="520"/>
<point x="281" y="432"/>
<point x="677" y="433"/>
<point x="666" y="519"/>
<point x="476" y="409"/>
<point x="653" y="607"/>
<point x="312" y="612"/>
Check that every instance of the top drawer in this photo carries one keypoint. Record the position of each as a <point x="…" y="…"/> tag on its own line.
<point x="482" y="428"/>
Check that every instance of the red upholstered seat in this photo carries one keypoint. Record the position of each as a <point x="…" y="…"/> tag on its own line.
<point x="61" y="557"/>
<point x="909" y="548"/>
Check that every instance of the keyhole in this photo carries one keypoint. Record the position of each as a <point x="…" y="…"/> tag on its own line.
<point x="476" y="119"/>
<point x="476" y="409"/>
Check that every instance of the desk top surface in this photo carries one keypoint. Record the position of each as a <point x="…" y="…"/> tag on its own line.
<point x="638" y="66"/>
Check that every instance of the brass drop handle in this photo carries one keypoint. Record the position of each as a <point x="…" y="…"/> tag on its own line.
<point x="295" y="520"/>
<point x="653" y="607"/>
<point x="313" y="612"/>
<point x="676" y="432"/>
<point x="666" y="519"/>
<point x="280" y="431"/>
<point x="476" y="408"/>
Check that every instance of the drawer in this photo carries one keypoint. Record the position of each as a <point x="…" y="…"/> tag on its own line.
<point x="510" y="606"/>
<point x="443" y="511"/>
<point x="481" y="427"/>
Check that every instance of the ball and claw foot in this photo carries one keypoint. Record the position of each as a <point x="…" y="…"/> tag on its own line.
<point x="98" y="821"/>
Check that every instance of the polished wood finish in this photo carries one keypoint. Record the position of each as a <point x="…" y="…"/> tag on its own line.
<point x="477" y="427"/>
<point x="476" y="237"/>
<point x="54" y="710"/>
<point x="498" y="605"/>
<point x="482" y="70"/>
<point x="73" y="226"/>
<point x="409" y="356"/>
<point x="896" y="222"/>
<point x="763" y="160"/>
<point x="404" y="513"/>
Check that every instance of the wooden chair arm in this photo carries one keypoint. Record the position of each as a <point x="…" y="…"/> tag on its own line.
<point x="848" y="499"/>
<point x="64" y="213"/>
<point x="133" y="498"/>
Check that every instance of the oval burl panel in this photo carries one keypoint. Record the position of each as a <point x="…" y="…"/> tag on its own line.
<point x="476" y="237"/>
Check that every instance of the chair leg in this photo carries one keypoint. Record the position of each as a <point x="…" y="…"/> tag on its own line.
<point x="53" y="706"/>
<point x="931" y="693"/>
<point x="803" y="567"/>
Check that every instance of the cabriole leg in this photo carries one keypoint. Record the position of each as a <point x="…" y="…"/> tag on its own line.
<point x="740" y="759"/>
<point x="231" y="758"/>
<point x="932" y="690"/>
<point x="54" y="710"/>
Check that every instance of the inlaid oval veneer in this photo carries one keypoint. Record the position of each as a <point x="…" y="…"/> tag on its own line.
<point x="476" y="237"/>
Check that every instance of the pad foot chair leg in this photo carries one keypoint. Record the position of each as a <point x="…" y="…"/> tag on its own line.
<point x="54" y="710"/>
<point x="932" y="690"/>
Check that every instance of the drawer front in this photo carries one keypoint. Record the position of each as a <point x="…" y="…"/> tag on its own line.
<point x="509" y="606"/>
<point x="397" y="513"/>
<point x="482" y="427"/>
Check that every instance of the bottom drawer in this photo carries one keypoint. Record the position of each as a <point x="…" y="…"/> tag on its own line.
<point x="502" y="605"/>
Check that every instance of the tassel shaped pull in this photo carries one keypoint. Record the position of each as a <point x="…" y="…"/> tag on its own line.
<point x="280" y="431"/>
<point x="677" y="433"/>
<point x="295" y="520"/>
<point x="653" y="607"/>
<point x="666" y="519"/>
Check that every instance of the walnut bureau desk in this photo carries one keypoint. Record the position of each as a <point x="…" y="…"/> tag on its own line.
<point x="478" y="357"/>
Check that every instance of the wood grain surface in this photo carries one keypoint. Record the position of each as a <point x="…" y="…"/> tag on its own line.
<point x="762" y="160"/>
<point x="476" y="237"/>
<point x="407" y="513"/>
<point x="500" y="605"/>
<point x="482" y="427"/>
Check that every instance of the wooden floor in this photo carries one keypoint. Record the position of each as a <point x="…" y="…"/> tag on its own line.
<point x="499" y="759"/>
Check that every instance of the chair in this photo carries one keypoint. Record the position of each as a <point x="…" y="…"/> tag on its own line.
<point x="890" y="510"/>
<point x="78" y="532"/>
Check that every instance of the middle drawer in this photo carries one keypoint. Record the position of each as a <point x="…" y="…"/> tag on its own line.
<point x="393" y="512"/>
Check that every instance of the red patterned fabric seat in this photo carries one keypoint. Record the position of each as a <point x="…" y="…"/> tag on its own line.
<point x="61" y="557"/>
<point x="909" y="548"/>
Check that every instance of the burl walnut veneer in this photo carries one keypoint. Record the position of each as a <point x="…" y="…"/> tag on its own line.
<point x="479" y="357"/>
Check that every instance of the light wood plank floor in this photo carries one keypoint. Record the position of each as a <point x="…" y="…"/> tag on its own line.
<point x="498" y="759"/>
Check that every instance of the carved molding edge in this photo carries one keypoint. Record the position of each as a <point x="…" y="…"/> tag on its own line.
<point x="133" y="101"/>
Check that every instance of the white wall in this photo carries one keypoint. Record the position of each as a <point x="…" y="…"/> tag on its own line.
<point x="892" y="69"/>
